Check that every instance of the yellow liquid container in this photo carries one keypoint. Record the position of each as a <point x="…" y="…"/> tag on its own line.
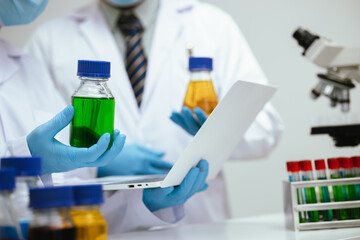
<point x="200" y="92"/>
<point x="86" y="215"/>
<point x="89" y="223"/>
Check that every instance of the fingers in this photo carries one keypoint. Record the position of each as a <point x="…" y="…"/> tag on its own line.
<point x="203" y="166"/>
<point x="112" y="153"/>
<point x="189" y="120"/>
<point x="161" y="164"/>
<point x="201" y="115"/>
<point x="95" y="151"/>
<point x="57" y="123"/>
<point x="157" y="198"/>
<point x="183" y="191"/>
<point x="178" y="119"/>
<point x="204" y="187"/>
<point x="157" y="193"/>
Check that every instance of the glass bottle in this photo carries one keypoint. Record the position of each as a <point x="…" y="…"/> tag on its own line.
<point x="9" y="226"/>
<point x="93" y="103"/>
<point x="28" y="170"/>
<point x="89" y="222"/>
<point x="200" y="91"/>
<point x="51" y="219"/>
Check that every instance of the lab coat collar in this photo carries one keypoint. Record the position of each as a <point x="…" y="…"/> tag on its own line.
<point x="8" y="56"/>
<point x="146" y="12"/>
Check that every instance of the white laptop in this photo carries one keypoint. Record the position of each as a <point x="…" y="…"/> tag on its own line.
<point x="215" y="140"/>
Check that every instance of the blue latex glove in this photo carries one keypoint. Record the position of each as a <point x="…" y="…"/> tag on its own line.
<point x="58" y="157"/>
<point x="159" y="198"/>
<point x="186" y="119"/>
<point x="135" y="159"/>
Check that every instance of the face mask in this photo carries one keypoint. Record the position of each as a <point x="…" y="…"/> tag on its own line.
<point x="123" y="3"/>
<point x="18" y="12"/>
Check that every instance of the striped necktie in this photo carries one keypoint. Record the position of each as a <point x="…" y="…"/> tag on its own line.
<point x="136" y="61"/>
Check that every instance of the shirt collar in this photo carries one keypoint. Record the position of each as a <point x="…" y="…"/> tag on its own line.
<point x="146" y="12"/>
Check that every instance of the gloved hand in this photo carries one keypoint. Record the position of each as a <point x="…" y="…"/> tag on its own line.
<point x="186" y="119"/>
<point x="58" y="157"/>
<point x="159" y="198"/>
<point x="135" y="159"/>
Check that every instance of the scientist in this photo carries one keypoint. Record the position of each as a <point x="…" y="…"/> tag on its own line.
<point x="146" y="41"/>
<point x="27" y="96"/>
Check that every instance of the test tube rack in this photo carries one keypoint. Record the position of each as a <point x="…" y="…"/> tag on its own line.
<point x="292" y="207"/>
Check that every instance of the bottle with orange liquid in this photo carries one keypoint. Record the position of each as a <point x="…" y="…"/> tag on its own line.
<point x="200" y="92"/>
<point x="89" y="222"/>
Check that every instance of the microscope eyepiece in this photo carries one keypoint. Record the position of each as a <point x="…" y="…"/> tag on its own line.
<point x="304" y="38"/>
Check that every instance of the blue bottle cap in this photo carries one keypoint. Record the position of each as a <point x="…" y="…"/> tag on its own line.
<point x="200" y="63"/>
<point x="7" y="179"/>
<point x="88" y="194"/>
<point x="97" y="69"/>
<point x="24" y="166"/>
<point x="51" y="197"/>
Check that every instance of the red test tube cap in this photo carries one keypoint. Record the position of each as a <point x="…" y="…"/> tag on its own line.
<point x="356" y="161"/>
<point x="289" y="166"/>
<point x="305" y="165"/>
<point x="333" y="163"/>
<point x="346" y="163"/>
<point x="320" y="164"/>
<point x="293" y="166"/>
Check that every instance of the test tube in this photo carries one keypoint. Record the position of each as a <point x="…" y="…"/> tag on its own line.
<point x="334" y="168"/>
<point x="327" y="215"/>
<point x="293" y="169"/>
<point x="347" y="170"/>
<point x="310" y="194"/>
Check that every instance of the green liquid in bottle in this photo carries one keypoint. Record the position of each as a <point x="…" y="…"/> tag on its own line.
<point x="92" y="118"/>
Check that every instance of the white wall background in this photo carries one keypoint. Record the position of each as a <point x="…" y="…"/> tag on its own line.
<point x="255" y="186"/>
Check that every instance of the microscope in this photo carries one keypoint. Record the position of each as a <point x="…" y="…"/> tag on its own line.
<point x="342" y="66"/>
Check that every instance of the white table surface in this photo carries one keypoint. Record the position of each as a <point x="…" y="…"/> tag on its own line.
<point x="260" y="227"/>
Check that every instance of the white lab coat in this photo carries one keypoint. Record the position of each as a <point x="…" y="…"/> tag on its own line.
<point x="27" y="99"/>
<point x="84" y="34"/>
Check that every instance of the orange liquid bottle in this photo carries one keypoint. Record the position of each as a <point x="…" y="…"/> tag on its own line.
<point x="200" y="92"/>
<point x="86" y="215"/>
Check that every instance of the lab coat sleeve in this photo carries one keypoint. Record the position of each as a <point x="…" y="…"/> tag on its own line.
<point x="125" y="211"/>
<point x="17" y="147"/>
<point x="240" y="64"/>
